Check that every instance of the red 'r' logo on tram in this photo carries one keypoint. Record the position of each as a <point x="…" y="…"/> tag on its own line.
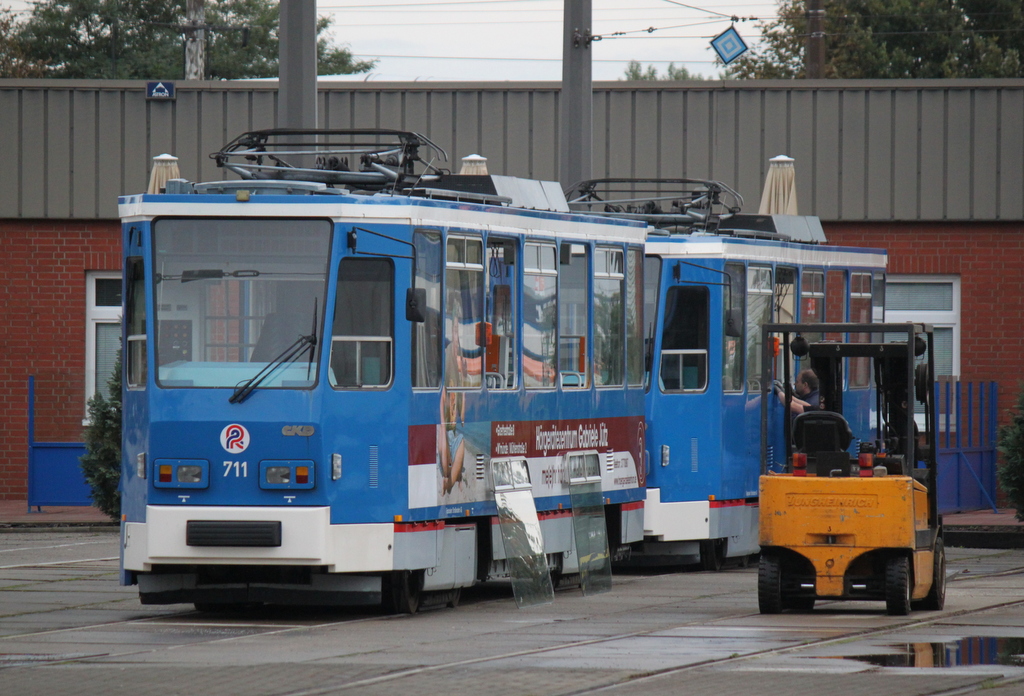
<point x="234" y="438"/>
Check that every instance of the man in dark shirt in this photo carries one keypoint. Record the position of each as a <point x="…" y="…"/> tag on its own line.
<point x="806" y="397"/>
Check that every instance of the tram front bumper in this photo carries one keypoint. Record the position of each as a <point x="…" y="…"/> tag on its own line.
<point x="306" y="537"/>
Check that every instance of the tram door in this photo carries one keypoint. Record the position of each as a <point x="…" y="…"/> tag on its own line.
<point x="683" y="420"/>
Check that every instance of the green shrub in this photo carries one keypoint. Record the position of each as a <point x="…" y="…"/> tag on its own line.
<point x="101" y="463"/>
<point x="1011" y="465"/>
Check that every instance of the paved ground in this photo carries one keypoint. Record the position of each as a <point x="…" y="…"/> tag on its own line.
<point x="67" y="627"/>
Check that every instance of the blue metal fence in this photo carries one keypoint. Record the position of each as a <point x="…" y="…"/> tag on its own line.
<point x="54" y="474"/>
<point x="966" y="416"/>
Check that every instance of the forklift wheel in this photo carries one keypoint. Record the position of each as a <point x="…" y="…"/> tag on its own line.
<point x="936" y="598"/>
<point x="897" y="586"/>
<point x="769" y="583"/>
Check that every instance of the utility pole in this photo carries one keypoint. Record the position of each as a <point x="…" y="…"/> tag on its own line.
<point x="814" y="56"/>
<point x="195" y="39"/>
<point x="577" y="98"/>
<point x="296" y="91"/>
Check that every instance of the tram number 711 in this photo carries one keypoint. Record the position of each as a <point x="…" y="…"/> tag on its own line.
<point x="241" y="469"/>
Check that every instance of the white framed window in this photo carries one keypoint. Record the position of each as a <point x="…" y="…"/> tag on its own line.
<point x="931" y="299"/>
<point x="102" y="329"/>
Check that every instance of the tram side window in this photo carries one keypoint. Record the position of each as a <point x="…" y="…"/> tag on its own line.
<point x="634" y="317"/>
<point x="427" y="335"/>
<point x="860" y="313"/>
<point x="684" y="343"/>
<point x="812" y="297"/>
<point x="362" y="341"/>
<point x="540" y="314"/>
<point x="501" y="330"/>
<point x="464" y="312"/>
<point x="812" y="307"/>
<point x="733" y="306"/>
<point x="878" y="298"/>
<point x="759" y="313"/>
<point x="835" y="300"/>
<point x="135" y="322"/>
<point x="652" y="283"/>
<point x="609" y="324"/>
<point x="785" y="308"/>
<point x="573" y="316"/>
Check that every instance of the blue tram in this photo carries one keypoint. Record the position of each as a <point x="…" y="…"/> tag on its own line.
<point x="343" y="369"/>
<point x="713" y="277"/>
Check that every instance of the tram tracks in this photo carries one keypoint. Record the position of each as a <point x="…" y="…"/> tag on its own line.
<point x="702" y="664"/>
<point x="264" y="624"/>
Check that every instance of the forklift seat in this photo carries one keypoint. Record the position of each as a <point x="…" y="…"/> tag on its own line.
<point x="821" y="431"/>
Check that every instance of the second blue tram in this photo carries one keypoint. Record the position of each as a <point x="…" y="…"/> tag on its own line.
<point x="333" y="371"/>
<point x="713" y="277"/>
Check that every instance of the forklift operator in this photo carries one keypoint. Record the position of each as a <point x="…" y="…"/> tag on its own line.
<point x="806" y="394"/>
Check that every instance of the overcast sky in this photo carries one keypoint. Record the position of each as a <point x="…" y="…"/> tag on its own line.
<point x="521" y="39"/>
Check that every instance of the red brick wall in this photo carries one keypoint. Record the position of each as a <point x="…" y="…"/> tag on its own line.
<point x="989" y="259"/>
<point x="42" y="312"/>
<point x="42" y="332"/>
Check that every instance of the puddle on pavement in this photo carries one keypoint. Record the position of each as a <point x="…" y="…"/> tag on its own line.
<point x="961" y="653"/>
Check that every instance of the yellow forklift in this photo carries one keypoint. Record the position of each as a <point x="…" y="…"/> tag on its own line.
<point x="850" y="517"/>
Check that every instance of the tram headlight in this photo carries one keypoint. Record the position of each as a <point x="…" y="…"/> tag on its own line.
<point x="335" y="466"/>
<point x="190" y="474"/>
<point x="287" y="474"/>
<point x="278" y="475"/>
<point x="181" y="473"/>
<point x="664" y="455"/>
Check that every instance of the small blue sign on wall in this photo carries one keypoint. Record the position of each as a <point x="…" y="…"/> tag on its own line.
<point x="160" y="90"/>
<point x="729" y="45"/>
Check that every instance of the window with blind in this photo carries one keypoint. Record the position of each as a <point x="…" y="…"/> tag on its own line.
<point x="932" y="300"/>
<point x="103" y="330"/>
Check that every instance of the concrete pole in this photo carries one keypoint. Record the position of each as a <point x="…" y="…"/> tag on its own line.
<point x="195" y="40"/>
<point x="577" y="99"/>
<point x="296" y="92"/>
<point x="814" y="56"/>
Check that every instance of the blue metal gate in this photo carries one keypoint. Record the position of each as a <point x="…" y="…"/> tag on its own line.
<point x="54" y="474"/>
<point x="966" y="416"/>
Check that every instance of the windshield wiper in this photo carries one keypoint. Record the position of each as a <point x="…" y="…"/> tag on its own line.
<point x="287" y="356"/>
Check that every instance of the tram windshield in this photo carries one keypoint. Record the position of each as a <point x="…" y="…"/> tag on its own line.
<point x="232" y="297"/>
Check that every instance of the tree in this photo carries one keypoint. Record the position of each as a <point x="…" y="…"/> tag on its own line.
<point x="101" y="463"/>
<point x="635" y="71"/>
<point x="143" y="40"/>
<point x="1011" y="447"/>
<point x="880" y="39"/>
<point x="12" y="59"/>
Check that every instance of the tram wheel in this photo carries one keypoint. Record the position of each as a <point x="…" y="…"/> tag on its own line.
<point x="769" y="583"/>
<point x="936" y="598"/>
<point x="712" y="554"/>
<point x="404" y="590"/>
<point x="455" y="598"/>
<point x="897" y="586"/>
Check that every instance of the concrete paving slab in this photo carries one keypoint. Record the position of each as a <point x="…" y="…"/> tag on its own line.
<point x="736" y="683"/>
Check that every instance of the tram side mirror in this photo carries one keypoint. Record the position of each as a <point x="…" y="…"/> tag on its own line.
<point x="415" y="302"/>
<point x="734" y="323"/>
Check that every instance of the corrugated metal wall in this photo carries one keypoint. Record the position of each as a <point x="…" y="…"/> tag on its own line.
<point x="865" y="150"/>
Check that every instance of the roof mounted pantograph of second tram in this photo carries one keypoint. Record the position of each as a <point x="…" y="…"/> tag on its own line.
<point x="688" y="207"/>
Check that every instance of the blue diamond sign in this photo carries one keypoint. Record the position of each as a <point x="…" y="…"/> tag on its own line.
<point x="160" y="90"/>
<point x="729" y="45"/>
